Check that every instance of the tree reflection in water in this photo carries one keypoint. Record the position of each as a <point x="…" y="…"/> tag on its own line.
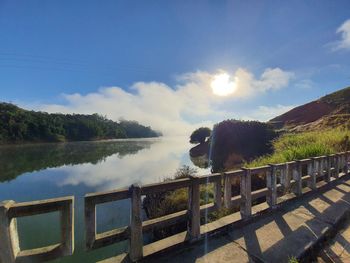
<point x="18" y="159"/>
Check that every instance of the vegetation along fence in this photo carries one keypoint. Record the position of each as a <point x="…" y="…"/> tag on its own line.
<point x="291" y="178"/>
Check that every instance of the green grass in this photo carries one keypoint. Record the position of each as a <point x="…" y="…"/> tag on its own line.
<point x="296" y="146"/>
<point x="293" y="260"/>
<point x="288" y="147"/>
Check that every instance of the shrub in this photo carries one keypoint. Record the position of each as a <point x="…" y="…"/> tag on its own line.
<point x="200" y="135"/>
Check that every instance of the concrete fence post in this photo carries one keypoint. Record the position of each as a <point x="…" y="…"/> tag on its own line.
<point x="90" y="224"/>
<point x="67" y="228"/>
<point x="347" y="162"/>
<point x="325" y="168"/>
<point x="246" y="193"/>
<point x="329" y="168"/>
<point x="271" y="183"/>
<point x="311" y="170"/>
<point x="334" y="165"/>
<point x="297" y="177"/>
<point x="9" y="244"/>
<point x="227" y="191"/>
<point x="337" y="165"/>
<point x="317" y="168"/>
<point x="343" y="163"/>
<point x="321" y="167"/>
<point x="218" y="193"/>
<point x="285" y="178"/>
<point x="193" y="226"/>
<point x="136" y="237"/>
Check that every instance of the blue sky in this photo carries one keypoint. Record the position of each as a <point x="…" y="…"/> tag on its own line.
<point x="89" y="56"/>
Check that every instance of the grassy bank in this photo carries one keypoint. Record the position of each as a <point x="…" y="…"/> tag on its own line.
<point x="287" y="147"/>
<point x="295" y="146"/>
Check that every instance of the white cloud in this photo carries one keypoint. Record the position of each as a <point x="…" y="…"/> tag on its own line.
<point x="271" y="79"/>
<point x="344" y="31"/>
<point x="172" y="110"/>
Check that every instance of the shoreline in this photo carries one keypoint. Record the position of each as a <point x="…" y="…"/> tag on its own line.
<point x="63" y="142"/>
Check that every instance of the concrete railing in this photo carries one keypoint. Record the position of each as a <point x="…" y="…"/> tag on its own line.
<point x="9" y="241"/>
<point x="280" y="179"/>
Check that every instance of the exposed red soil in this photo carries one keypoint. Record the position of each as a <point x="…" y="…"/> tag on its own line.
<point x="303" y="114"/>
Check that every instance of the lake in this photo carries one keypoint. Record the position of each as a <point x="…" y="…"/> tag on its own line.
<point x="42" y="171"/>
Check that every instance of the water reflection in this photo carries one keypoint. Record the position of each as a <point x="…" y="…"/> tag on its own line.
<point x="16" y="160"/>
<point x="34" y="172"/>
<point x="147" y="166"/>
<point x="199" y="155"/>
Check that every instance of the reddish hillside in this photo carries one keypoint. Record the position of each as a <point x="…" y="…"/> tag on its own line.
<point x="306" y="113"/>
<point x="313" y="113"/>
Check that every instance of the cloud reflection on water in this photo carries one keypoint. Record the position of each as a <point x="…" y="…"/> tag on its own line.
<point x="149" y="165"/>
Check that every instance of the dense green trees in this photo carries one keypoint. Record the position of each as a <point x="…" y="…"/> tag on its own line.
<point x="234" y="141"/>
<point x="200" y="135"/>
<point x="19" y="125"/>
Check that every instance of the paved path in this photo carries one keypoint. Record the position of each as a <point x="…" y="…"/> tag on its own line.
<point x="278" y="236"/>
<point x="337" y="250"/>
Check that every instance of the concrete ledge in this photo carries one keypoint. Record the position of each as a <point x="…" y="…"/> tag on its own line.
<point x="296" y="228"/>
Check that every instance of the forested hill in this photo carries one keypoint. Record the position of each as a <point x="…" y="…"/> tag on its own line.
<point x="19" y="125"/>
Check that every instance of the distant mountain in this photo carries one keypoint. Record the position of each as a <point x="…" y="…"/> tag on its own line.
<point x="18" y="125"/>
<point x="330" y="111"/>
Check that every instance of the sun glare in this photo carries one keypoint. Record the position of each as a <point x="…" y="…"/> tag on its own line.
<point x="222" y="86"/>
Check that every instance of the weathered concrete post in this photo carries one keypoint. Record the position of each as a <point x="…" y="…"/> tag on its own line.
<point x="246" y="193"/>
<point x="67" y="228"/>
<point x="285" y="178"/>
<point x="343" y="163"/>
<point x="329" y="168"/>
<point x="9" y="244"/>
<point x="311" y="170"/>
<point x="317" y="168"/>
<point x="136" y="237"/>
<point x="90" y="224"/>
<point x="321" y="166"/>
<point x="346" y="167"/>
<point x="340" y="162"/>
<point x="334" y="165"/>
<point x="337" y="165"/>
<point x="218" y="193"/>
<point x="297" y="177"/>
<point x="227" y="191"/>
<point x="193" y="226"/>
<point x="271" y="183"/>
<point x="327" y="176"/>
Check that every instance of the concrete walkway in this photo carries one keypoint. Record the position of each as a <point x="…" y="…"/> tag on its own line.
<point x="291" y="231"/>
<point x="338" y="249"/>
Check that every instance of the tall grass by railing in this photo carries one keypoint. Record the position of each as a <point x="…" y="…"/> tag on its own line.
<point x="297" y="146"/>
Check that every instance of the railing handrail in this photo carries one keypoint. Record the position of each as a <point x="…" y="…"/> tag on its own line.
<point x="244" y="199"/>
<point x="9" y="240"/>
<point x="123" y="193"/>
<point x="289" y="174"/>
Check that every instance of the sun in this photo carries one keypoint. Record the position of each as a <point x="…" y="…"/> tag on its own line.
<point x="222" y="85"/>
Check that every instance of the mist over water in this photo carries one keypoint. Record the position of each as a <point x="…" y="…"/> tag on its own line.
<point x="34" y="172"/>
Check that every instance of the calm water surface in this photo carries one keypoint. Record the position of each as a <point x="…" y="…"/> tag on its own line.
<point x="34" y="172"/>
